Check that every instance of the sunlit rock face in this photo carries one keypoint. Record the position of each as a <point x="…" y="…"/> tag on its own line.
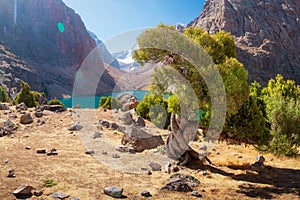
<point x="266" y="34"/>
<point x="51" y="40"/>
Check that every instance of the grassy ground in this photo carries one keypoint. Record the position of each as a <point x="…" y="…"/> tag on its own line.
<point x="85" y="176"/>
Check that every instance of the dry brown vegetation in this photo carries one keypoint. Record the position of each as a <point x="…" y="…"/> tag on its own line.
<point x="84" y="176"/>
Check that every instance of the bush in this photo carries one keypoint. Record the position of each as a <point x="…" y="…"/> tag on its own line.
<point x="49" y="183"/>
<point x="30" y="98"/>
<point x="3" y="95"/>
<point x="55" y="102"/>
<point x="110" y="103"/>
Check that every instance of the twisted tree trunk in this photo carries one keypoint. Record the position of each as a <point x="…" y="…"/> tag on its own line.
<point x="177" y="145"/>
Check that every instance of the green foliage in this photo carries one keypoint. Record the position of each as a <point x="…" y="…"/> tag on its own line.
<point x="102" y="101"/>
<point x="282" y="104"/>
<point x="3" y="95"/>
<point x="173" y="104"/>
<point x="110" y="103"/>
<point x="153" y="107"/>
<point x="50" y="183"/>
<point x="55" y="102"/>
<point x="26" y="95"/>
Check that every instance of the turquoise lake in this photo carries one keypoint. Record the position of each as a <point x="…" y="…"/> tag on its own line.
<point x="93" y="101"/>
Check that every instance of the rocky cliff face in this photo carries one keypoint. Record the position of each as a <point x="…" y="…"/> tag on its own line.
<point x="50" y="39"/>
<point x="266" y="34"/>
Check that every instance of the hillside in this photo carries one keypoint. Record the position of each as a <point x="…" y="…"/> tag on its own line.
<point x="266" y="34"/>
<point x="51" y="40"/>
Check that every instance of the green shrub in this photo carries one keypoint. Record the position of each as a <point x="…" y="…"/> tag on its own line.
<point x="55" y="102"/>
<point x="49" y="183"/>
<point x="26" y="95"/>
<point x="3" y="95"/>
<point x="102" y="101"/>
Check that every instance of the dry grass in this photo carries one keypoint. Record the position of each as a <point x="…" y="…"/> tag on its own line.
<point x="85" y="176"/>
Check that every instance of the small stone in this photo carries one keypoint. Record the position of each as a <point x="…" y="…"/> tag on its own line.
<point x="260" y="158"/>
<point x="9" y="124"/>
<point x="27" y="147"/>
<point x="40" y="122"/>
<point x="60" y="195"/>
<point x="121" y="148"/>
<point x="114" y="126"/>
<point x="13" y="116"/>
<point x="38" y="114"/>
<point x="240" y="156"/>
<point x="269" y="167"/>
<point x="144" y="168"/>
<point x="11" y="173"/>
<point x="175" y="169"/>
<point x="115" y="155"/>
<point x="90" y="151"/>
<point x="97" y="135"/>
<point x="203" y="147"/>
<point x="271" y="159"/>
<point x="196" y="194"/>
<point x="104" y="152"/>
<point x="6" y="161"/>
<point x="75" y="127"/>
<point x="155" y="166"/>
<point x="41" y="151"/>
<point x="149" y="172"/>
<point x="4" y="106"/>
<point x="105" y="124"/>
<point x="113" y="191"/>
<point x="146" y="193"/>
<point x="74" y="198"/>
<point x="21" y="106"/>
<point x="38" y="193"/>
<point x="52" y="152"/>
<point x="23" y="191"/>
<point x="140" y="121"/>
<point x="26" y="119"/>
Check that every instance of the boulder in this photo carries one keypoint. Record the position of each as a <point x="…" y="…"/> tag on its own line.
<point x="181" y="183"/>
<point x="113" y="191"/>
<point x="140" y="121"/>
<point x="75" y="127"/>
<point x="38" y="113"/>
<point x="24" y="191"/>
<point x="26" y="119"/>
<point x="4" y="106"/>
<point x="55" y="108"/>
<point x="128" y="101"/>
<point x="140" y="140"/>
<point x="127" y="118"/>
<point x="21" y="106"/>
<point x="60" y="195"/>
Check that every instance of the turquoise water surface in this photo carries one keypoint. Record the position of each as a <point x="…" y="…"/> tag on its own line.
<point x="93" y="101"/>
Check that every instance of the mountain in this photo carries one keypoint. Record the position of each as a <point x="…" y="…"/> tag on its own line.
<point x="45" y="43"/>
<point x="127" y="63"/>
<point x="266" y="34"/>
<point x="104" y="53"/>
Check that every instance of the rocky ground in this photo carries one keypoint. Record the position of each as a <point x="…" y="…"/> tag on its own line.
<point x="84" y="176"/>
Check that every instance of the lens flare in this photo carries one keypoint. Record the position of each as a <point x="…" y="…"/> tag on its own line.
<point x="60" y="27"/>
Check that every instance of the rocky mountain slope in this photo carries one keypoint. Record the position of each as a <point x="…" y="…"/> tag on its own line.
<point x="266" y="34"/>
<point x="50" y="41"/>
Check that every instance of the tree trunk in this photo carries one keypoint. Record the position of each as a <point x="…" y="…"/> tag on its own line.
<point x="177" y="145"/>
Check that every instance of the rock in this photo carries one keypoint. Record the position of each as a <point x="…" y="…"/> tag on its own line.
<point x="60" y="195"/>
<point x="9" y="124"/>
<point x="14" y="116"/>
<point x="140" y="140"/>
<point x="41" y="151"/>
<point x="75" y="127"/>
<point x="181" y="183"/>
<point x="127" y="118"/>
<point x="74" y="198"/>
<point x="90" y="151"/>
<point x="38" y="114"/>
<point x="260" y="158"/>
<point x="40" y="122"/>
<point x="38" y="193"/>
<point x="175" y="169"/>
<point x="11" y="173"/>
<point x="149" y="172"/>
<point x="155" y="166"/>
<point x="97" y="135"/>
<point x="114" y="126"/>
<point x="24" y="191"/>
<point x="113" y="191"/>
<point x="52" y="152"/>
<point x="4" y="106"/>
<point x="121" y="129"/>
<point x="104" y="152"/>
<point x="196" y="194"/>
<point x="55" y="108"/>
<point x="203" y="147"/>
<point x="146" y="193"/>
<point x="128" y="101"/>
<point x="121" y="148"/>
<point x="105" y="124"/>
<point x="27" y="147"/>
<point x="115" y="155"/>
<point x="270" y="159"/>
<point x="21" y="106"/>
<point x="140" y="121"/>
<point x="26" y="119"/>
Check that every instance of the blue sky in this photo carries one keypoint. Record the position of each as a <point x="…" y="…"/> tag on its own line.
<point x="107" y="18"/>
